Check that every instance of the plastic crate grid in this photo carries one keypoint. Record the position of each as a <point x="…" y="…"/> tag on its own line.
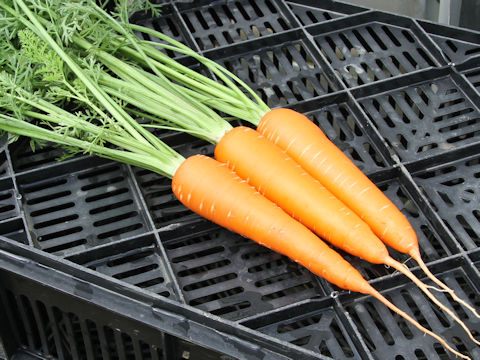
<point x="400" y="98"/>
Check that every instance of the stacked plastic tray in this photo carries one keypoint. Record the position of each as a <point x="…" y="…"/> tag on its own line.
<point x="98" y="260"/>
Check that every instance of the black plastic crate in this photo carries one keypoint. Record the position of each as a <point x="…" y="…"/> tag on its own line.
<point x="233" y="277"/>
<point x="425" y="115"/>
<point x="14" y="229"/>
<point x="453" y="191"/>
<point x="75" y="324"/>
<point x="4" y="165"/>
<point x="223" y="23"/>
<point x="474" y="77"/>
<point x="317" y="326"/>
<point x="388" y="336"/>
<point x="457" y="44"/>
<point x="42" y="323"/>
<point x="128" y="272"/>
<point x="69" y="211"/>
<point x="308" y="13"/>
<point x="370" y="47"/>
<point x="8" y="200"/>
<point x="282" y="73"/>
<point x="24" y="157"/>
<point x="137" y="261"/>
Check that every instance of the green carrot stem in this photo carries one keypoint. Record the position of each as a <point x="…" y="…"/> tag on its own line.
<point x="24" y="128"/>
<point x="178" y="46"/>
<point x="35" y="25"/>
<point x="183" y="74"/>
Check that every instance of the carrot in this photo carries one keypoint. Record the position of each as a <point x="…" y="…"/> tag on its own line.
<point x="279" y="178"/>
<point x="212" y="190"/>
<point x="308" y="145"/>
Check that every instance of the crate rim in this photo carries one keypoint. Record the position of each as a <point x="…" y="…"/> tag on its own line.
<point x="63" y="275"/>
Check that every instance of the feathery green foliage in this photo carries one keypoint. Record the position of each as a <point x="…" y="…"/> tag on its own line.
<point x="49" y="92"/>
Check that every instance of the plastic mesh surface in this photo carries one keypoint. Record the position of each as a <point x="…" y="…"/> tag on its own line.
<point x="373" y="52"/>
<point x="369" y="84"/>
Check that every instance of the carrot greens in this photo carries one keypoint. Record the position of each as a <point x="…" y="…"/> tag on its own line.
<point x="87" y="42"/>
<point x="39" y="80"/>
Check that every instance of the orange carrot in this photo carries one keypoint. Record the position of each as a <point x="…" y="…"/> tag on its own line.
<point x="212" y="190"/>
<point x="308" y="146"/>
<point x="279" y="178"/>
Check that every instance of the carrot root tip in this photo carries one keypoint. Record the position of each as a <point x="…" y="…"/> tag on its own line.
<point x="425" y="331"/>
<point x="404" y="269"/>
<point x="416" y="256"/>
